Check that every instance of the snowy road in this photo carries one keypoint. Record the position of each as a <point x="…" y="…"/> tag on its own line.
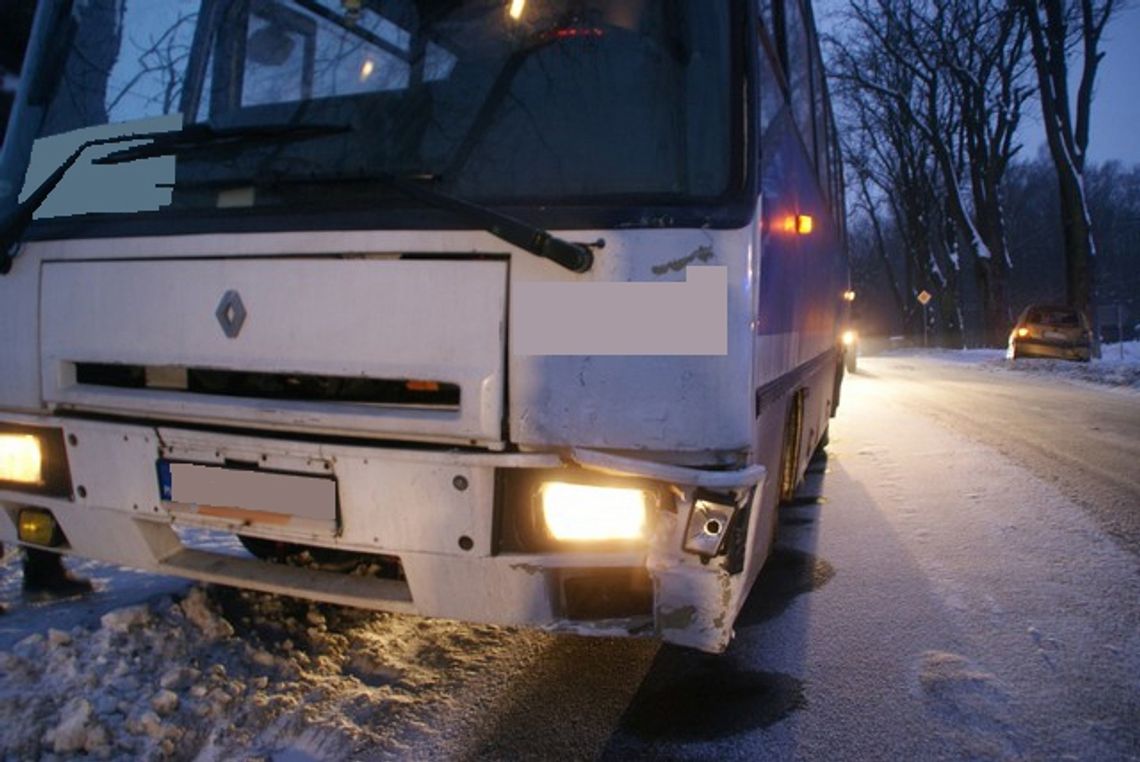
<point x="951" y="601"/>
<point x="1083" y="438"/>
<point x="959" y="579"/>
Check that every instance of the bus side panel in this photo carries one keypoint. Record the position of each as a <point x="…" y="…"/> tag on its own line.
<point x="802" y="277"/>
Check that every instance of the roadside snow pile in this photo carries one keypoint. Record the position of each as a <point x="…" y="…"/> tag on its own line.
<point x="1109" y="370"/>
<point x="224" y="674"/>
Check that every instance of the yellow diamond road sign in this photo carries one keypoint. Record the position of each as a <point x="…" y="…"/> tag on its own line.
<point x="924" y="297"/>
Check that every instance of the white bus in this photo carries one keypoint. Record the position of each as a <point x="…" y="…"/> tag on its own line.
<point x="521" y="312"/>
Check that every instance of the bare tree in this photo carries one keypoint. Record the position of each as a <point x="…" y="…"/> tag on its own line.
<point x="983" y="48"/>
<point x="1055" y="28"/>
<point x="159" y="73"/>
<point x="897" y="180"/>
<point x="867" y="204"/>
<point x="963" y="62"/>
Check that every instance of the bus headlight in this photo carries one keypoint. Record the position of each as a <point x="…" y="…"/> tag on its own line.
<point x="584" y="513"/>
<point x="21" y="459"/>
<point x="34" y="459"/>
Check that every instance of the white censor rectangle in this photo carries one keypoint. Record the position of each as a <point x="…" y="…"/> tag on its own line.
<point x="689" y="318"/>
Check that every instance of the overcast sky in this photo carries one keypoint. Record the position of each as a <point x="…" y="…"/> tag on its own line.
<point x="1116" y="108"/>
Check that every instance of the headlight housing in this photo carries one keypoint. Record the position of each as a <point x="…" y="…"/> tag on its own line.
<point x="34" y="460"/>
<point x="567" y="510"/>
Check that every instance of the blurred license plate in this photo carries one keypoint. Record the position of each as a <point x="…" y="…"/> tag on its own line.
<point x="249" y="495"/>
<point x="1055" y="336"/>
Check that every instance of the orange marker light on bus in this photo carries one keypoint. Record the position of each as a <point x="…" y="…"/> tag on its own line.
<point x="797" y="223"/>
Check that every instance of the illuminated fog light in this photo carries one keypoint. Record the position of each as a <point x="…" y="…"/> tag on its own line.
<point x="20" y="459"/>
<point x="708" y="524"/>
<point x="39" y="527"/>
<point x="849" y="338"/>
<point x="582" y="513"/>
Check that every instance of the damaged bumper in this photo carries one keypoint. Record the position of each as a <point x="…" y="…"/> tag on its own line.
<point x="440" y="521"/>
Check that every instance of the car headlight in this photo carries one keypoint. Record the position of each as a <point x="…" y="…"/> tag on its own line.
<point x="584" y="513"/>
<point x="21" y="459"/>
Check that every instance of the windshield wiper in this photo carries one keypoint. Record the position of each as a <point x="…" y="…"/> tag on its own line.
<point x="15" y="224"/>
<point x="203" y="136"/>
<point x="576" y="257"/>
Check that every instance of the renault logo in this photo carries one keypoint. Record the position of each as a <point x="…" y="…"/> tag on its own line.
<point x="231" y="313"/>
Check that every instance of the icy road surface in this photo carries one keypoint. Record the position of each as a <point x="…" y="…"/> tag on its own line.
<point x="958" y="579"/>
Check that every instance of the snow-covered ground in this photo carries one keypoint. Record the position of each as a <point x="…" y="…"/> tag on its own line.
<point x="216" y="674"/>
<point x="1113" y="368"/>
<point x="930" y="599"/>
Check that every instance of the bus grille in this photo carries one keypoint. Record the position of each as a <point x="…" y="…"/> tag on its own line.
<point x="403" y="392"/>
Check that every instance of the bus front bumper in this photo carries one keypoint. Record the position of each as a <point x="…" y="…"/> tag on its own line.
<point x="437" y="516"/>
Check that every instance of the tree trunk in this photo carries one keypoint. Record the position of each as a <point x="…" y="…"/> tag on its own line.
<point x="1080" y="248"/>
<point x="1068" y="141"/>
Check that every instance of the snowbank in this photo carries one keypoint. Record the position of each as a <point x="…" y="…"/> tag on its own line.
<point x="1109" y="370"/>
<point x="221" y="674"/>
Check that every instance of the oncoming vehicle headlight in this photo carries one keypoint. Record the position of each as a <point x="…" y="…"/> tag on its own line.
<point x="584" y="513"/>
<point x="21" y="459"/>
<point x="849" y="338"/>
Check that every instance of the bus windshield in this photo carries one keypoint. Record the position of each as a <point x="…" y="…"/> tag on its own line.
<point x="518" y="102"/>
